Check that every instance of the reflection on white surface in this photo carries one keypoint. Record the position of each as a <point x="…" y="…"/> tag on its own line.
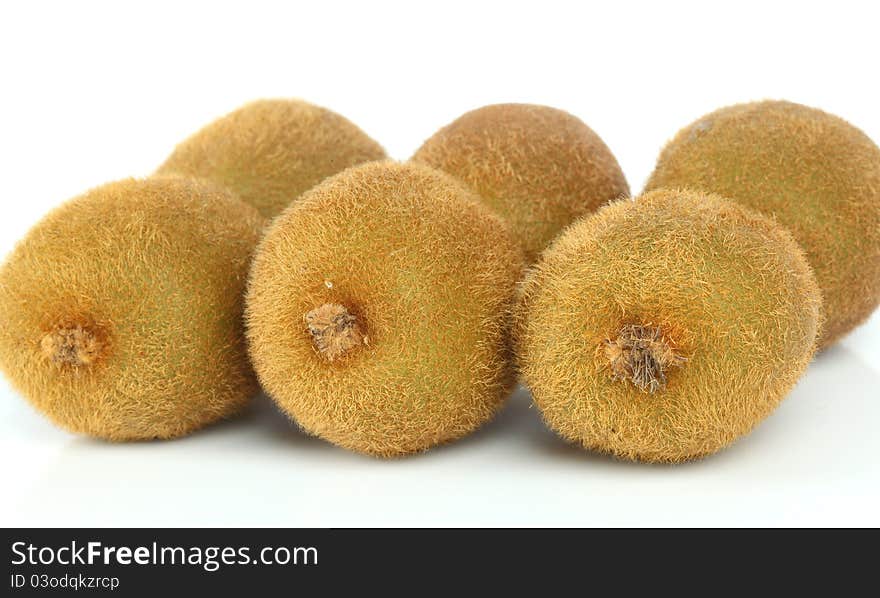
<point x="813" y="462"/>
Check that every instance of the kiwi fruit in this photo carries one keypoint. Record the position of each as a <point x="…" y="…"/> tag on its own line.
<point x="122" y="309"/>
<point x="815" y="173"/>
<point x="663" y="328"/>
<point x="378" y="309"/>
<point x="537" y="167"/>
<point x="270" y="151"/>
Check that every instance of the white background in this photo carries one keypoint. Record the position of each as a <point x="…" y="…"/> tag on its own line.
<point x="97" y="91"/>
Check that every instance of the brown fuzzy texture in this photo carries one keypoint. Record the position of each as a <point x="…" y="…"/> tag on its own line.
<point x="716" y="298"/>
<point x="815" y="173"/>
<point x="538" y="167"/>
<point x="427" y="274"/>
<point x="121" y="309"/>
<point x="270" y="151"/>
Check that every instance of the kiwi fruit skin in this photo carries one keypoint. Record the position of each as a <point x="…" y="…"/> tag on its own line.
<point x="426" y="273"/>
<point x="122" y="309"/>
<point x="538" y="167"/>
<point x="814" y="172"/>
<point x="724" y="306"/>
<point x="269" y="152"/>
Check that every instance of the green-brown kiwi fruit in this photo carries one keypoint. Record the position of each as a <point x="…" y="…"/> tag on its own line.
<point x="538" y="167"/>
<point x="815" y="173"/>
<point x="661" y="329"/>
<point x="378" y="309"/>
<point x="269" y="152"/>
<point x="122" y="309"/>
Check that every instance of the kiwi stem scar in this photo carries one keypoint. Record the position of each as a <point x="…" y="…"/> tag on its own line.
<point x="335" y="331"/>
<point x="641" y="355"/>
<point x="74" y="345"/>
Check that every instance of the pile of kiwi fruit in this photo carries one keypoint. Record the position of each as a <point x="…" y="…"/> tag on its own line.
<point x="389" y="307"/>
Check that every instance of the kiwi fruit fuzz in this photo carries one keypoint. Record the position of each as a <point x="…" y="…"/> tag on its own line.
<point x="270" y="151"/>
<point x="815" y="173"/>
<point x="378" y="309"/>
<point x="537" y="167"/>
<point x="122" y="309"/>
<point x="661" y="329"/>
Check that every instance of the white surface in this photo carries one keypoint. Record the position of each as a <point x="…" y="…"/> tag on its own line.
<point x="94" y="92"/>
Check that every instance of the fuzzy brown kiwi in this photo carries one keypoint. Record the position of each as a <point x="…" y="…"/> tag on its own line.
<point x="378" y="309"/>
<point x="269" y="152"/>
<point x="815" y="173"/>
<point x="538" y="167"/>
<point x="122" y="308"/>
<point x="662" y="329"/>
